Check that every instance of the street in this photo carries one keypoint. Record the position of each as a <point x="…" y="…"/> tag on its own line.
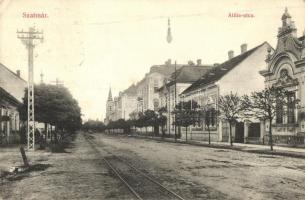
<point x="191" y="172"/>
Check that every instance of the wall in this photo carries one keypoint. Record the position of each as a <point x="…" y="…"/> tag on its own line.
<point x="245" y="78"/>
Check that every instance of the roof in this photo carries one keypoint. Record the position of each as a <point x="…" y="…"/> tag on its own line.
<point x="219" y="71"/>
<point x="166" y="69"/>
<point x="5" y="95"/>
<point x="189" y="73"/>
<point x="132" y="90"/>
<point x="5" y="67"/>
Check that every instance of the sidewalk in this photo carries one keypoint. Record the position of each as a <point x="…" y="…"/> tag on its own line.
<point x="251" y="148"/>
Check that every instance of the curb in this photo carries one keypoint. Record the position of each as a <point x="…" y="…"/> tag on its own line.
<point x="236" y="148"/>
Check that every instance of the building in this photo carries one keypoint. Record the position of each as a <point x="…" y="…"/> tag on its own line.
<point x="12" y="88"/>
<point x="141" y="96"/>
<point x="147" y="88"/>
<point x="286" y="68"/>
<point x="126" y="103"/>
<point x="239" y="74"/>
<point x="110" y="110"/>
<point x="178" y="82"/>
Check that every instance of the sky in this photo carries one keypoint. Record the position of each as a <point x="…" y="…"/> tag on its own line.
<point x="91" y="45"/>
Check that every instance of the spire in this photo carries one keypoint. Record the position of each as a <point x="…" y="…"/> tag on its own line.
<point x="288" y="26"/>
<point x="286" y="14"/>
<point x="169" y="34"/>
<point x="110" y="95"/>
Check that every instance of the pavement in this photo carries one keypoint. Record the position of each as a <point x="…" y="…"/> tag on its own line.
<point x="295" y="152"/>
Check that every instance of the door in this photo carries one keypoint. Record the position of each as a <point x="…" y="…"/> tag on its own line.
<point x="239" y="132"/>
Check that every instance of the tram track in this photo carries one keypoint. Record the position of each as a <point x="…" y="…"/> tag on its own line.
<point x="139" y="183"/>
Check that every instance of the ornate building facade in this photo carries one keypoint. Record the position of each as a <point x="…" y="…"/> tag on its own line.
<point x="286" y="68"/>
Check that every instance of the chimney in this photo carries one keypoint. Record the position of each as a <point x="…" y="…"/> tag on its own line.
<point x="18" y="73"/>
<point x="243" y="48"/>
<point x="231" y="54"/>
<point x="198" y="62"/>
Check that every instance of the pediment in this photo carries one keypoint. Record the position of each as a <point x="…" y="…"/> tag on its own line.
<point x="285" y="80"/>
<point x="288" y="44"/>
<point x="279" y="59"/>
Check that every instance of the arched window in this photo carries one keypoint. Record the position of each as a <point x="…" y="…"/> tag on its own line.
<point x="291" y="107"/>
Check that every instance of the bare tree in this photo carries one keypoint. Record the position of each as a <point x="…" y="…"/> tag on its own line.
<point x="268" y="103"/>
<point x="208" y="113"/>
<point x="231" y="109"/>
<point x="185" y="113"/>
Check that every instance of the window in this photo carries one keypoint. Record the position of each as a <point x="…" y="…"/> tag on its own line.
<point x="156" y="85"/>
<point x="291" y="107"/>
<point x="156" y="104"/>
<point x="279" y="112"/>
<point x="211" y="119"/>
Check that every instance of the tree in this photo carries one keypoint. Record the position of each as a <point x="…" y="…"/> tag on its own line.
<point x="185" y="113"/>
<point x="93" y="125"/>
<point x="140" y="121"/>
<point x="231" y="109"/>
<point x="150" y="119"/>
<point x="56" y="106"/>
<point x="162" y="119"/>
<point x="208" y="113"/>
<point x="266" y="104"/>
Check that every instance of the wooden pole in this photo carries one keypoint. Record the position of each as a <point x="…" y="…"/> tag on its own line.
<point x="24" y="158"/>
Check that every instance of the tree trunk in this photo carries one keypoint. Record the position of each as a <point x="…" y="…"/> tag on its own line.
<point x="270" y="135"/>
<point x="186" y="133"/>
<point x="175" y="133"/>
<point x="46" y="132"/>
<point x="231" y="141"/>
<point x="56" y="139"/>
<point x="209" y="135"/>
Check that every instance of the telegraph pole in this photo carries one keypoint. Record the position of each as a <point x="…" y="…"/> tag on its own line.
<point x="58" y="82"/>
<point x="29" y="39"/>
<point x="175" y="100"/>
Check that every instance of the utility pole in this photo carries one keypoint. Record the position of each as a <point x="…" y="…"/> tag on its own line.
<point x="169" y="111"/>
<point x="29" y="39"/>
<point x="175" y="99"/>
<point x="57" y="82"/>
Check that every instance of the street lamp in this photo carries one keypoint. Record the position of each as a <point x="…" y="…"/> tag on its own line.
<point x="169" y="39"/>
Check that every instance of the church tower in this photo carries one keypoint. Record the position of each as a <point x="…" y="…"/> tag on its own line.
<point x="109" y="107"/>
